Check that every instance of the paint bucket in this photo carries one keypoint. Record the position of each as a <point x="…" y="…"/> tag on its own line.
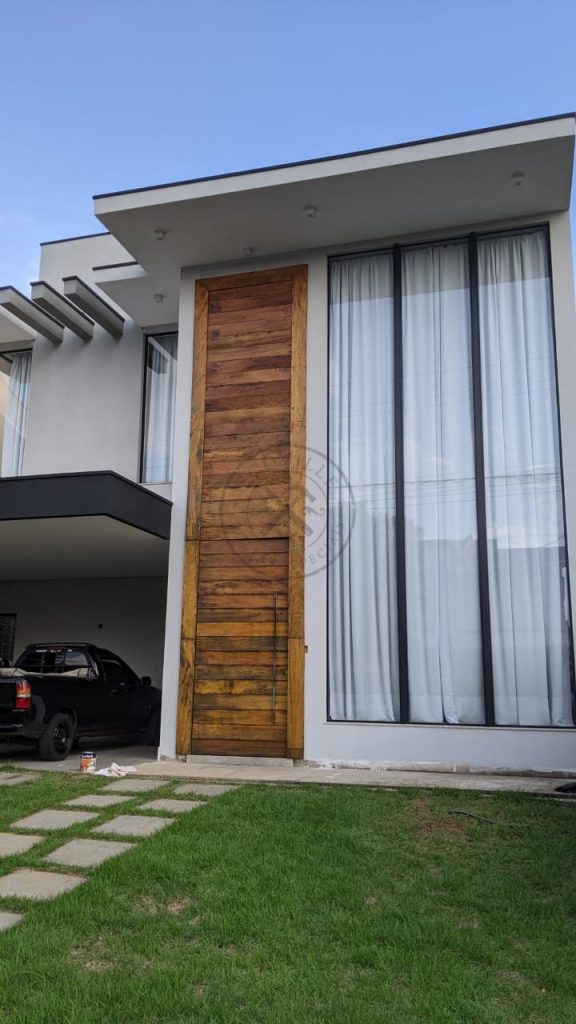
<point x="87" y="761"/>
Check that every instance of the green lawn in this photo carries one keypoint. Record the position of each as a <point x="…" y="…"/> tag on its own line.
<point x="306" y="905"/>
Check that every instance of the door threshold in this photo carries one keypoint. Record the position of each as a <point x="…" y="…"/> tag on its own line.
<point x="263" y="762"/>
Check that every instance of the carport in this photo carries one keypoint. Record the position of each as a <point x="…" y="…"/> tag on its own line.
<point x="84" y="557"/>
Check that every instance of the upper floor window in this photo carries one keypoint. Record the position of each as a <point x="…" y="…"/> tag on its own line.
<point x="159" y="408"/>
<point x="14" y="391"/>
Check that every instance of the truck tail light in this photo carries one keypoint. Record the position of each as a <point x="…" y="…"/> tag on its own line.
<point x="23" y="695"/>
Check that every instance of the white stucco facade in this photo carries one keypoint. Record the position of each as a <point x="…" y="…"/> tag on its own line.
<point x="85" y="409"/>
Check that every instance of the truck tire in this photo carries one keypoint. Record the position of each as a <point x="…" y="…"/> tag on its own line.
<point x="153" y="730"/>
<point x="56" y="741"/>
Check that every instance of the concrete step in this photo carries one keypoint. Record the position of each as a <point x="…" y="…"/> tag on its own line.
<point x="258" y="762"/>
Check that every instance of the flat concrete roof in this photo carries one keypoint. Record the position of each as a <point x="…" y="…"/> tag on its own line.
<point x="502" y="173"/>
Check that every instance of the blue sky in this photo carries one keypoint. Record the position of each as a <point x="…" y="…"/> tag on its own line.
<point x="121" y="93"/>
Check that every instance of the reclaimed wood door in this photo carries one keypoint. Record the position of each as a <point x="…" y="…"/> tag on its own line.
<point x="242" y="652"/>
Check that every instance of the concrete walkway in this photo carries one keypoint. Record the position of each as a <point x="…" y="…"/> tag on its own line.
<point x="379" y="778"/>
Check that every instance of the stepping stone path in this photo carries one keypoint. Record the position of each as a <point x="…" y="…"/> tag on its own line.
<point x="133" y="825"/>
<point x="86" y="853"/>
<point x="172" y="806"/>
<point x="203" y="789"/>
<point x="134" y="786"/>
<point x="8" y="779"/>
<point x="11" y="843"/>
<point x="37" y="885"/>
<point x="48" y="821"/>
<point x="95" y="800"/>
<point x="8" y="920"/>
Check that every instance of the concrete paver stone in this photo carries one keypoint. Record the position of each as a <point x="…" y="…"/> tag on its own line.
<point x="49" y="820"/>
<point x="172" y="806"/>
<point x="96" y="800"/>
<point x="134" y="785"/>
<point x="87" y="853"/>
<point x="137" y="825"/>
<point x="37" y="885"/>
<point x="203" y="789"/>
<point x="8" y="920"/>
<point x="10" y="843"/>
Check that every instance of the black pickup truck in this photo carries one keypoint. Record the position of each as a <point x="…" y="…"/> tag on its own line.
<point x="56" y="693"/>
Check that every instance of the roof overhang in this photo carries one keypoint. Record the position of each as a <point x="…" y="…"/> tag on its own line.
<point x="496" y="174"/>
<point x="14" y="334"/>
<point x="81" y="525"/>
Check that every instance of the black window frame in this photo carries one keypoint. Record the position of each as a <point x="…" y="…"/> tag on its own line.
<point x="395" y="251"/>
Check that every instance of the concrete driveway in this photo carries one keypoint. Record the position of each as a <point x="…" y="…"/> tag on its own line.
<point x="107" y="752"/>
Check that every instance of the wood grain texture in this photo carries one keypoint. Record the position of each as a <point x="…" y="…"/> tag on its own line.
<point x="243" y="602"/>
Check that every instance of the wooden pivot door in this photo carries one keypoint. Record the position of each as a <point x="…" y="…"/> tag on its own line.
<point x="242" y="653"/>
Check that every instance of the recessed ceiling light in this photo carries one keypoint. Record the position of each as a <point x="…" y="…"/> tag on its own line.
<point x="158" y="297"/>
<point x="247" y="251"/>
<point x="310" y="211"/>
<point x="518" y="178"/>
<point x="159" y="234"/>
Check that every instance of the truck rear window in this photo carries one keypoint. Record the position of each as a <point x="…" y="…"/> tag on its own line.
<point x="50" y="660"/>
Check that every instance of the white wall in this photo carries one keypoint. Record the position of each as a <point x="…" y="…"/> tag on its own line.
<point x="124" y="615"/>
<point x="85" y="397"/>
<point x="537" y="749"/>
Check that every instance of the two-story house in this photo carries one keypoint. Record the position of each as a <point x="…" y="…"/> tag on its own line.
<point x="300" y="443"/>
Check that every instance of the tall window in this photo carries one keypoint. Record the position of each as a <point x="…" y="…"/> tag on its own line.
<point x="159" y="408"/>
<point x="14" y="390"/>
<point x="450" y="602"/>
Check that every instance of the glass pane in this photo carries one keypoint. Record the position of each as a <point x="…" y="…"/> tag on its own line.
<point x="160" y="402"/>
<point x="363" y="629"/>
<point x="445" y="667"/>
<point x="14" y="388"/>
<point x="526" y="536"/>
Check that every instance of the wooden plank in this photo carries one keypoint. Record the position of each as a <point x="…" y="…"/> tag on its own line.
<point x="219" y="369"/>
<point x="216" y="730"/>
<point x="244" y="546"/>
<point x="258" y="672"/>
<point x="240" y="702"/>
<point x="185" y="710"/>
<point x="250" y="375"/>
<point x="185" y="697"/>
<point x="232" y="642"/>
<point x="251" y="279"/>
<point x="230" y="558"/>
<point x="279" y="439"/>
<point x="227" y="719"/>
<point x="239" y="629"/>
<point x="190" y="589"/>
<point x="272" y="345"/>
<point x="261" y="425"/>
<point x="249" y="328"/>
<point x="236" y="748"/>
<point x="239" y="532"/>
<point x="216" y="492"/>
<point x="250" y="296"/>
<point x="255" y="314"/>
<point x="278" y="460"/>
<point x="295" y="725"/>
<point x="251" y="600"/>
<point x="240" y="687"/>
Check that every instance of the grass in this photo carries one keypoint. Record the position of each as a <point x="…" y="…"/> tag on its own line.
<point x="305" y="905"/>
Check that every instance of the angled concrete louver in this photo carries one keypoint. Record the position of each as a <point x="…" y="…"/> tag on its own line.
<point x="93" y="305"/>
<point x="53" y="303"/>
<point x="31" y="314"/>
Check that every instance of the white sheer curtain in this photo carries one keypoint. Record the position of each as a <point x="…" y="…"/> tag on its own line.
<point x="16" y="415"/>
<point x="363" y="645"/>
<point x="526" y="542"/>
<point x="445" y="668"/>
<point x="157" y="456"/>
